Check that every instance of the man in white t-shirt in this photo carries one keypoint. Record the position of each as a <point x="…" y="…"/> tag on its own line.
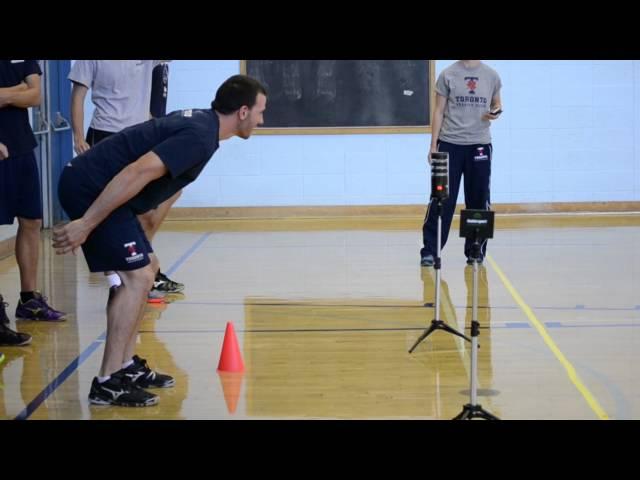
<point x="121" y="94"/>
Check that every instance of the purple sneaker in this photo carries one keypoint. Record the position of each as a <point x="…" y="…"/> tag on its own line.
<point x="37" y="309"/>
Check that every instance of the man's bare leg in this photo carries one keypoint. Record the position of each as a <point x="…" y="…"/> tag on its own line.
<point x="27" y="252"/>
<point x="137" y="369"/>
<point x="32" y="305"/>
<point x="114" y="386"/>
<point x="130" y="349"/>
<point x="123" y="311"/>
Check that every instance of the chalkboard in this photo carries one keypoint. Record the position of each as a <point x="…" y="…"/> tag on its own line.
<point x="345" y="96"/>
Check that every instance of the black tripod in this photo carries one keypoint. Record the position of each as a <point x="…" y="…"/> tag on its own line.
<point x="436" y="323"/>
<point x="472" y="409"/>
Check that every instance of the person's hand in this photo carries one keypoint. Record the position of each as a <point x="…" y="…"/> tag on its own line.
<point x="4" y="153"/>
<point x="67" y="238"/>
<point x="432" y="149"/>
<point x="489" y="116"/>
<point x="80" y="145"/>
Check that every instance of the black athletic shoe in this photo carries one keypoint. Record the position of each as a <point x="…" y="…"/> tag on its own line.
<point x="4" y="320"/>
<point x="166" y="285"/>
<point x="11" y="338"/>
<point x="142" y="376"/>
<point x="119" y="390"/>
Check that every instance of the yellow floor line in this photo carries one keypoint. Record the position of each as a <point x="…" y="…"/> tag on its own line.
<point x="571" y="371"/>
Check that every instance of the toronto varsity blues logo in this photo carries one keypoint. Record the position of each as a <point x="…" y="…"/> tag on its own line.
<point x="471" y="100"/>
<point x="472" y="84"/>
<point x="134" y="256"/>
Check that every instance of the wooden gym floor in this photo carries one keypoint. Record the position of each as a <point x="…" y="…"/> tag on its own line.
<point x="325" y="311"/>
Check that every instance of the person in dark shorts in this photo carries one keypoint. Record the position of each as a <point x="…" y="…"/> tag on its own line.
<point x="105" y="189"/>
<point x="20" y="181"/>
<point x="124" y="93"/>
<point x="467" y="101"/>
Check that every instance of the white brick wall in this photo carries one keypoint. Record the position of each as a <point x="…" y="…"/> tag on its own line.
<point x="569" y="133"/>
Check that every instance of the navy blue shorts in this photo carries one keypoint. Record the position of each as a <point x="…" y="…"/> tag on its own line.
<point x="119" y="242"/>
<point x="94" y="136"/>
<point x="20" y="189"/>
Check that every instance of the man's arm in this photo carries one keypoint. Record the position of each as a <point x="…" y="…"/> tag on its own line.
<point x="16" y="88"/>
<point x="436" y="125"/>
<point x="78" y="93"/>
<point x="122" y="188"/>
<point x="4" y="153"/>
<point x="24" y="95"/>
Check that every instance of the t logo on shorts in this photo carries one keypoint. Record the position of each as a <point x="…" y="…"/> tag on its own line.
<point x="134" y="256"/>
<point x="480" y="154"/>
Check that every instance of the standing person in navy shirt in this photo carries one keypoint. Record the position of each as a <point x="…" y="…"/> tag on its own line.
<point x="7" y="336"/>
<point x="105" y="189"/>
<point x="20" y="181"/>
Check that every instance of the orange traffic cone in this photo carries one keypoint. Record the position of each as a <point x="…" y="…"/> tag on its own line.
<point x="231" y="385"/>
<point x="230" y="358"/>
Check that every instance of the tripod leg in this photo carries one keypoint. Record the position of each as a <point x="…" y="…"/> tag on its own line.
<point x="481" y="413"/>
<point x="422" y="337"/>
<point x="447" y="328"/>
<point x="463" y="415"/>
<point x="469" y="412"/>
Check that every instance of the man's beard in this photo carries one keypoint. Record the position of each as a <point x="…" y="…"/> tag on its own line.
<point x="244" y="132"/>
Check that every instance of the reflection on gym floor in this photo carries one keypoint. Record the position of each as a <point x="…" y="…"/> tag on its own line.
<point x="326" y="310"/>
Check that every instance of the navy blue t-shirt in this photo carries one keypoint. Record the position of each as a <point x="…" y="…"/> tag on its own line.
<point x="184" y="140"/>
<point x="15" y="131"/>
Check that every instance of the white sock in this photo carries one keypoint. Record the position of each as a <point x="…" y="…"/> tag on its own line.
<point x="103" y="379"/>
<point x="114" y="280"/>
<point x="126" y="364"/>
